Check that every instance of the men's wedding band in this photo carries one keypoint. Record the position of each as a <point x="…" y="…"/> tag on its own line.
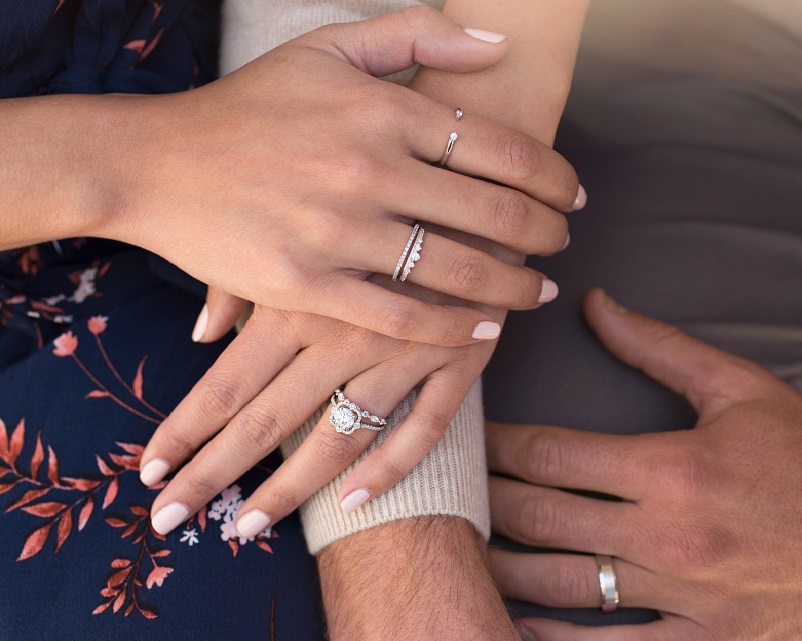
<point x="347" y="417"/>
<point x="410" y="255"/>
<point x="608" y="583"/>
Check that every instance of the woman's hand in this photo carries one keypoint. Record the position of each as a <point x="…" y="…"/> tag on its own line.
<point x="273" y="376"/>
<point x="708" y="532"/>
<point x="310" y="172"/>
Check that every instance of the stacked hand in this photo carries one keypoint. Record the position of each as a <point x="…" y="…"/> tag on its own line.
<point x="708" y="532"/>
<point x="286" y="363"/>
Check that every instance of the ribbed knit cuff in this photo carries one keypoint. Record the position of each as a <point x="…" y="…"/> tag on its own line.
<point x="451" y="480"/>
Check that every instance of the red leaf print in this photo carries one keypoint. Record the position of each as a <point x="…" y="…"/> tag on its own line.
<point x="111" y="493"/>
<point x="86" y="512"/>
<point x="118" y="602"/>
<point x="17" y="441"/>
<point x="64" y="529"/>
<point x="52" y="466"/>
<point x="157" y="576"/>
<point x="135" y="45"/>
<point x="3" y="441"/>
<point x="97" y="393"/>
<point x="234" y="546"/>
<point x="102" y="271"/>
<point x="125" y="462"/>
<point x="202" y="520"/>
<point x="138" y="380"/>
<point x="120" y="563"/>
<point x="103" y="466"/>
<point x="129" y="531"/>
<point x="160" y="553"/>
<point x="118" y="577"/>
<point x="82" y="484"/>
<point x="132" y="448"/>
<point x="48" y="508"/>
<point x="101" y="608"/>
<point x="109" y="592"/>
<point x="115" y="522"/>
<point x="151" y="45"/>
<point x="139" y="510"/>
<point x="264" y="546"/>
<point x="30" y="495"/>
<point x="147" y="612"/>
<point x="35" y="542"/>
<point x="38" y="456"/>
<point x="130" y="608"/>
<point x="5" y="487"/>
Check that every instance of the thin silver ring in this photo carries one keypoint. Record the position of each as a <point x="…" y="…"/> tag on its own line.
<point x="449" y="148"/>
<point x="414" y="254"/>
<point x="405" y="253"/>
<point x="346" y="416"/>
<point x="608" y="583"/>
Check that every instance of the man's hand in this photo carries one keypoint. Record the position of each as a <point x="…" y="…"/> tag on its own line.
<point x="708" y="531"/>
<point x="423" y="579"/>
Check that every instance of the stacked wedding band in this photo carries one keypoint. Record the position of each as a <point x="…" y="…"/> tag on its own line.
<point x="347" y="417"/>
<point x="410" y="255"/>
<point x="608" y="583"/>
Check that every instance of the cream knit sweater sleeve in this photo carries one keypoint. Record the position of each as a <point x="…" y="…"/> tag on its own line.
<point x="452" y="479"/>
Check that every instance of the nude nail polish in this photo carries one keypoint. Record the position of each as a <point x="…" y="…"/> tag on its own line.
<point x="354" y="500"/>
<point x="548" y="291"/>
<point x="487" y="36"/>
<point x="252" y="524"/>
<point x="154" y="472"/>
<point x="487" y="330"/>
<point x="581" y="199"/>
<point x="201" y="324"/>
<point x="169" y="518"/>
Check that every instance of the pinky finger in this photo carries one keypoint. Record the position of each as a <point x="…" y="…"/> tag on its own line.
<point x="666" y="629"/>
<point x="435" y="406"/>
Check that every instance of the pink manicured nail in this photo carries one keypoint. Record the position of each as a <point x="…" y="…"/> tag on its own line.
<point x="201" y="324"/>
<point x="252" y="524"/>
<point x="487" y="36"/>
<point x="613" y="306"/>
<point x="354" y="500"/>
<point x="169" y="518"/>
<point x="548" y="291"/>
<point x="154" y="471"/>
<point x="487" y="330"/>
<point x="581" y="199"/>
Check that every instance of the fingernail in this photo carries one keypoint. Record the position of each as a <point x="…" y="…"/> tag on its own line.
<point x="526" y="633"/>
<point x="487" y="330"/>
<point x="154" y="471"/>
<point x="354" y="500"/>
<point x="254" y="522"/>
<point x="567" y="241"/>
<point x="200" y="324"/>
<point x="169" y="518"/>
<point x="548" y="291"/>
<point x="581" y="199"/>
<point x="613" y="306"/>
<point x="487" y="36"/>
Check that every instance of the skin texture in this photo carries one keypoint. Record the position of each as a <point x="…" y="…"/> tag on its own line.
<point x="708" y="529"/>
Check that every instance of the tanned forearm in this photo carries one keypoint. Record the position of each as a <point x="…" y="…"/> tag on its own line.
<point x="423" y="578"/>
<point x="426" y="578"/>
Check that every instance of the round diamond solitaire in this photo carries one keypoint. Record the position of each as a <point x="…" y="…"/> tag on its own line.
<point x="346" y="416"/>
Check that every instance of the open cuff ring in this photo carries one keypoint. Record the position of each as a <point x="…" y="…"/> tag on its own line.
<point x="608" y="583"/>
<point x="347" y="417"/>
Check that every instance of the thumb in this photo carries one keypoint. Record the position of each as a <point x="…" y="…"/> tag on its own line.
<point x="399" y="40"/>
<point x="712" y="380"/>
<point x="218" y="316"/>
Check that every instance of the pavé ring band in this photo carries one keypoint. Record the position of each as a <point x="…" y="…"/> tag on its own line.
<point x="414" y="254"/>
<point x="402" y="261"/>
<point x="608" y="583"/>
<point x="347" y="416"/>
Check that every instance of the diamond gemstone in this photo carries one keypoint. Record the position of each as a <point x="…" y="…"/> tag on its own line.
<point x="343" y="418"/>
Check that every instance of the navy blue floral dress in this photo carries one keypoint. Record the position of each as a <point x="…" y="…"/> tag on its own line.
<point x="95" y="349"/>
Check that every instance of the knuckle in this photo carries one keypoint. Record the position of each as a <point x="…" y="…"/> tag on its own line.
<point x="399" y="321"/>
<point x="521" y="158"/>
<point x="257" y="430"/>
<point x="574" y="587"/>
<point x="687" y="474"/>
<point x="511" y="215"/>
<point x="468" y="273"/>
<point x="335" y="448"/>
<point x="546" y="456"/>
<point x="218" y="397"/>
<point x="419" y="18"/>
<point x="355" y="172"/>
<point x="432" y="429"/>
<point x="200" y="487"/>
<point x="539" y="520"/>
<point x="177" y="444"/>
<point x="697" y="545"/>
<point x="391" y="472"/>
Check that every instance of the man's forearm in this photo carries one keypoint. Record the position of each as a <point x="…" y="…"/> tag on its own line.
<point x="422" y="578"/>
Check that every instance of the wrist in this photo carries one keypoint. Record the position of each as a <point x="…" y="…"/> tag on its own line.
<point x="421" y="578"/>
